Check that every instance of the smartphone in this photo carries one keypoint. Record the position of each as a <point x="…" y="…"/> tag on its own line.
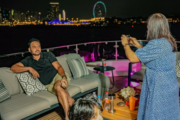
<point x="63" y="85"/>
<point x="128" y="36"/>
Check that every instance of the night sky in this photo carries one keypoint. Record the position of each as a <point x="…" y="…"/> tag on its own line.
<point x="84" y="8"/>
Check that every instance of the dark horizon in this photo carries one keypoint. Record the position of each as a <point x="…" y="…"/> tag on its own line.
<point x="84" y="10"/>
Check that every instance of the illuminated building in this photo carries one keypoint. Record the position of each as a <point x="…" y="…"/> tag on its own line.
<point x="17" y="15"/>
<point x="5" y="14"/>
<point x="60" y="17"/>
<point x="54" y="10"/>
<point x="64" y="15"/>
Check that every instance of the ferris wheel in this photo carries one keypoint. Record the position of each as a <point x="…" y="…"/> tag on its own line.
<point x="99" y="10"/>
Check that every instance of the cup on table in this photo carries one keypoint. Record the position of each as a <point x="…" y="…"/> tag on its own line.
<point x="132" y="101"/>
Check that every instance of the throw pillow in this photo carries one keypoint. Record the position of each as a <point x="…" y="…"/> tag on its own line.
<point x="4" y="95"/>
<point x="30" y="84"/>
<point x="78" y="67"/>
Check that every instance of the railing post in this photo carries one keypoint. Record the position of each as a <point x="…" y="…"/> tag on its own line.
<point x="116" y="50"/>
<point x="76" y="49"/>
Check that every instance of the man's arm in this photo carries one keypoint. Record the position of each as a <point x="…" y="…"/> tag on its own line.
<point x="59" y="68"/>
<point x="19" y="67"/>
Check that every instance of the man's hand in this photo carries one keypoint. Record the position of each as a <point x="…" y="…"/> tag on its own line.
<point x="65" y="80"/>
<point x="34" y="73"/>
<point x="59" y="83"/>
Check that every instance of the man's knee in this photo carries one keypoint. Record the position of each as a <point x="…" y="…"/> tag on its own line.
<point x="57" y="88"/>
<point x="57" y="85"/>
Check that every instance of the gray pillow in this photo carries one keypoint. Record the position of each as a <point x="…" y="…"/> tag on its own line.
<point x="78" y="67"/>
<point x="30" y="84"/>
<point x="4" y="95"/>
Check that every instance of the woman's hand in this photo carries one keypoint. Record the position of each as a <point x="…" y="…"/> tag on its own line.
<point x="135" y="42"/>
<point x="124" y="40"/>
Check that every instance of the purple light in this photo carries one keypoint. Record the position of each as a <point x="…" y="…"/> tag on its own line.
<point x="132" y="73"/>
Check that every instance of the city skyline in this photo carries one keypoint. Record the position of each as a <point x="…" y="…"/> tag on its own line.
<point x="81" y="9"/>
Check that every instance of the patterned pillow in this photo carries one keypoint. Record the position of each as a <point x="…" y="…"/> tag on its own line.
<point x="30" y="84"/>
<point x="4" y="95"/>
<point x="78" y="67"/>
<point x="177" y="68"/>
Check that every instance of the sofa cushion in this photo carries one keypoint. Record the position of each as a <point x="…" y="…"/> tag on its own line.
<point x="73" y="90"/>
<point x="48" y="96"/>
<point x="78" y="68"/>
<point x="87" y="82"/>
<point x="21" y="106"/>
<point x="63" y="62"/>
<point x="30" y="84"/>
<point x="10" y="81"/>
<point x="4" y="95"/>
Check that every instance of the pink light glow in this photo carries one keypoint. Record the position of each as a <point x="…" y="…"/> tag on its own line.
<point x="92" y="56"/>
<point x="134" y="84"/>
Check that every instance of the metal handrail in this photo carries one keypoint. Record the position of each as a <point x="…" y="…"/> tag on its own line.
<point x="52" y="48"/>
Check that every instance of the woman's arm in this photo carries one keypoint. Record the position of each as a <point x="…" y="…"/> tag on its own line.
<point x="129" y="53"/>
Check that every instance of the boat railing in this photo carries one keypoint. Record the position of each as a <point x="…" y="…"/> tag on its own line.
<point x="76" y="47"/>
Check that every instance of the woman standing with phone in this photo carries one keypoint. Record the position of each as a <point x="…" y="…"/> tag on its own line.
<point x="159" y="98"/>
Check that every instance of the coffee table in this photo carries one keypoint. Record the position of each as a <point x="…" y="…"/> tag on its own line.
<point x="122" y="113"/>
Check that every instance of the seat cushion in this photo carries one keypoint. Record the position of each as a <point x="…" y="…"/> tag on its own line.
<point x="21" y="106"/>
<point x="73" y="90"/>
<point x="10" y="81"/>
<point x="87" y="82"/>
<point x="48" y="96"/>
<point x="63" y="61"/>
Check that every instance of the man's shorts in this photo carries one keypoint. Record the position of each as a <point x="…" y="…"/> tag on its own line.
<point x="57" y="77"/>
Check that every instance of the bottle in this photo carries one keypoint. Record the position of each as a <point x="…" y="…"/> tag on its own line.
<point x="111" y="110"/>
<point x="104" y="64"/>
<point x="106" y="102"/>
<point x="99" y="100"/>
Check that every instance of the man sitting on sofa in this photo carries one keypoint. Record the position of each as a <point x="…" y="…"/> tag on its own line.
<point x="44" y="65"/>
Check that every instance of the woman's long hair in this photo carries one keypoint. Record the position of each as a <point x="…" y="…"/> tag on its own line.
<point x="158" y="27"/>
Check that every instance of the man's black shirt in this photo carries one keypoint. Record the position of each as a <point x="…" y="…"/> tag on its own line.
<point x="43" y="66"/>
